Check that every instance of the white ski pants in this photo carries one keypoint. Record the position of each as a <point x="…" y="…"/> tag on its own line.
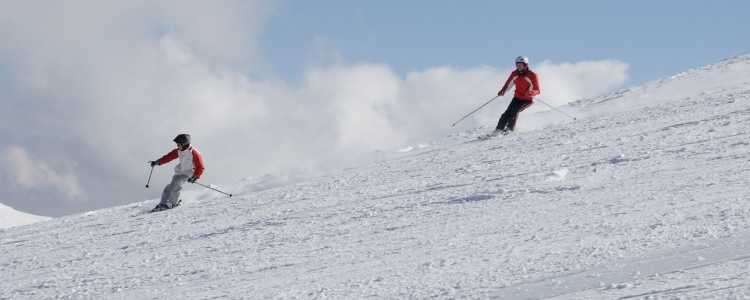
<point x="171" y="193"/>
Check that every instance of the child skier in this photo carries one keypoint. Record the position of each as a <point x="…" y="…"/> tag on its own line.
<point x="189" y="169"/>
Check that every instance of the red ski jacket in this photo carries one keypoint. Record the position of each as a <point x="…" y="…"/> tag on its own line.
<point x="191" y="161"/>
<point x="527" y="85"/>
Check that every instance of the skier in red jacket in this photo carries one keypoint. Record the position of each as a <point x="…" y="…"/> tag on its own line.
<point x="527" y="86"/>
<point x="189" y="169"/>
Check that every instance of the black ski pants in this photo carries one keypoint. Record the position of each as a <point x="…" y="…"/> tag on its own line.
<point x="508" y="119"/>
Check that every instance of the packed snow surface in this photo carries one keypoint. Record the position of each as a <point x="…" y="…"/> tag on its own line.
<point x="645" y="195"/>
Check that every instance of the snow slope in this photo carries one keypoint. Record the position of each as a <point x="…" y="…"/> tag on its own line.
<point x="644" y="196"/>
<point x="10" y="217"/>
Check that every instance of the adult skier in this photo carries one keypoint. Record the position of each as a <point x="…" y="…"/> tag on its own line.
<point x="527" y="86"/>
<point x="189" y="169"/>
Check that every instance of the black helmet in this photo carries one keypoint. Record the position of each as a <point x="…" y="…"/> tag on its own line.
<point x="182" y="139"/>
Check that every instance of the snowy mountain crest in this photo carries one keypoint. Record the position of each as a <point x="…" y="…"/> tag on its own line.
<point x="10" y="217"/>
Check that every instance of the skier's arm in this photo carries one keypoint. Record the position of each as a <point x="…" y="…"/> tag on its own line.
<point x="535" y="86"/>
<point x="508" y="84"/>
<point x="167" y="158"/>
<point x="198" y="164"/>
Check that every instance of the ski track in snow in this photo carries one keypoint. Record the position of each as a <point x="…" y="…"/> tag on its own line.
<point x="648" y="202"/>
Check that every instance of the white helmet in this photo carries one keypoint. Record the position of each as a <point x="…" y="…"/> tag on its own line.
<point x="522" y="59"/>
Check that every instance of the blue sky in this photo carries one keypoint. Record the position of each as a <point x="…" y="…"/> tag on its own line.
<point x="91" y="90"/>
<point x="657" y="38"/>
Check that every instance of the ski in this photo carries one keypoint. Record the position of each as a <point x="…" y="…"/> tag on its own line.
<point x="492" y="135"/>
<point x="154" y="210"/>
<point x="179" y="201"/>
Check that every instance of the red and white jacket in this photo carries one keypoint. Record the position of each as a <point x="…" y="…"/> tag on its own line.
<point x="191" y="161"/>
<point x="527" y="85"/>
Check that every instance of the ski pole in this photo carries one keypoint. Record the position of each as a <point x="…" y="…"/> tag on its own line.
<point x="488" y="102"/>
<point x="149" y="176"/>
<point x="537" y="99"/>
<point x="203" y="185"/>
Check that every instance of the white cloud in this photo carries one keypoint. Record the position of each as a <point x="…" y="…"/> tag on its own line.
<point x="566" y="82"/>
<point x="32" y="173"/>
<point x="359" y="99"/>
<point x="176" y="51"/>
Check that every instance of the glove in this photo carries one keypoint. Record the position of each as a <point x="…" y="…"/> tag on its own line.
<point x="154" y="163"/>
<point x="192" y="179"/>
<point x="500" y="93"/>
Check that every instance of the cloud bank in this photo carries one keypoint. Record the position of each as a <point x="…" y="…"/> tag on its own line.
<point x="30" y="173"/>
<point x="90" y="92"/>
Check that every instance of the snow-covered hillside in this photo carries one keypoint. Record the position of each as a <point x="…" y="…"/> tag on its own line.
<point x="10" y="217"/>
<point x="644" y="196"/>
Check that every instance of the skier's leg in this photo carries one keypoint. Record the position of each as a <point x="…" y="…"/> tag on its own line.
<point x="505" y="117"/>
<point x="510" y="114"/>
<point x="165" y="194"/>
<point x="171" y="193"/>
<point x="502" y="122"/>
<point x="177" y="182"/>
<point x="518" y="108"/>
